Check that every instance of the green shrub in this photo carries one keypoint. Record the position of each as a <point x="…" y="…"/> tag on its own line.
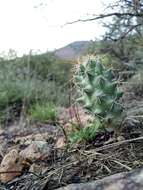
<point x="42" y="112"/>
<point x="85" y="133"/>
<point x="28" y="80"/>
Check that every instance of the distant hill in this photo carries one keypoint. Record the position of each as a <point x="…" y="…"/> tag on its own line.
<point x="72" y="51"/>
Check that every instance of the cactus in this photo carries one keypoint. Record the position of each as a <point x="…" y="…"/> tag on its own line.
<point x="98" y="91"/>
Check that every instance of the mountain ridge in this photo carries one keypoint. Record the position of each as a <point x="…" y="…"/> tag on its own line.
<point x="73" y="50"/>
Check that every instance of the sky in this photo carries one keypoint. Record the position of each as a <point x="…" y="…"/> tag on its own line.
<point x="40" y="24"/>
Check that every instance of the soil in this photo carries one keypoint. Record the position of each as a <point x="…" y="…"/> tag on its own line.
<point x="104" y="156"/>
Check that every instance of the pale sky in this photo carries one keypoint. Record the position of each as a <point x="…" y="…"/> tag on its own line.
<point x="24" y="27"/>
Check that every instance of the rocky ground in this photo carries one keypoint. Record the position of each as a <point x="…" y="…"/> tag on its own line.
<point x="34" y="155"/>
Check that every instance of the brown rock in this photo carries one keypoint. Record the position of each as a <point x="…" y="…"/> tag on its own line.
<point x="36" y="150"/>
<point x="80" y="118"/>
<point x="32" y="137"/>
<point x="36" y="169"/>
<point x="70" y="114"/>
<point x="60" y="143"/>
<point x="12" y="165"/>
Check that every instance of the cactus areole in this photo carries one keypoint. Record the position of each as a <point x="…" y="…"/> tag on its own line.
<point x="98" y="90"/>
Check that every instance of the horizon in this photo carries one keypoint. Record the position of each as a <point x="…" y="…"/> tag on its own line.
<point x="12" y="54"/>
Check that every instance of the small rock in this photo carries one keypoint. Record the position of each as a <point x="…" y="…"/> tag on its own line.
<point x="120" y="138"/>
<point x="60" y="143"/>
<point x="36" y="150"/>
<point x="12" y="162"/>
<point x="35" y="169"/>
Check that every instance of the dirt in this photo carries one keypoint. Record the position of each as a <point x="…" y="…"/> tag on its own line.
<point x="104" y="156"/>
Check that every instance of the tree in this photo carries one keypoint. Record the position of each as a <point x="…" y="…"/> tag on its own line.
<point x="124" y="33"/>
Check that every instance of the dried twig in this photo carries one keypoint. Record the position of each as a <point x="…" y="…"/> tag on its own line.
<point x="123" y="165"/>
<point x="118" y="144"/>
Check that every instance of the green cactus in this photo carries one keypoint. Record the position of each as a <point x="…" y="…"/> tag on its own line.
<point x="99" y="92"/>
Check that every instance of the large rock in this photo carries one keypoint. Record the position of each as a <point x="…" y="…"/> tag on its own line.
<point x="11" y="166"/>
<point x="122" y="181"/>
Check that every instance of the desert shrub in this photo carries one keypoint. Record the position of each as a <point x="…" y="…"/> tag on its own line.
<point x="42" y="112"/>
<point x="28" y="80"/>
<point x="16" y="93"/>
<point x="135" y="85"/>
<point x="46" y="67"/>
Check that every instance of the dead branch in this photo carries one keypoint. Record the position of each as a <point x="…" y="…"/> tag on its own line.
<point x="101" y="16"/>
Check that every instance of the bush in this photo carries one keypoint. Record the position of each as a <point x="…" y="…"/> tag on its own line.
<point x="27" y="80"/>
<point x="134" y="86"/>
<point x="136" y="83"/>
<point x="42" y="112"/>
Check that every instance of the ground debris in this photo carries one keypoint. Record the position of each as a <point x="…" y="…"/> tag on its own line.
<point x="80" y="165"/>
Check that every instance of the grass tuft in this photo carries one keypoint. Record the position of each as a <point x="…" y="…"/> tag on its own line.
<point x="43" y="112"/>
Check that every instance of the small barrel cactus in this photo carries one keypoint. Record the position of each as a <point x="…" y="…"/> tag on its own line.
<point x="98" y="90"/>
